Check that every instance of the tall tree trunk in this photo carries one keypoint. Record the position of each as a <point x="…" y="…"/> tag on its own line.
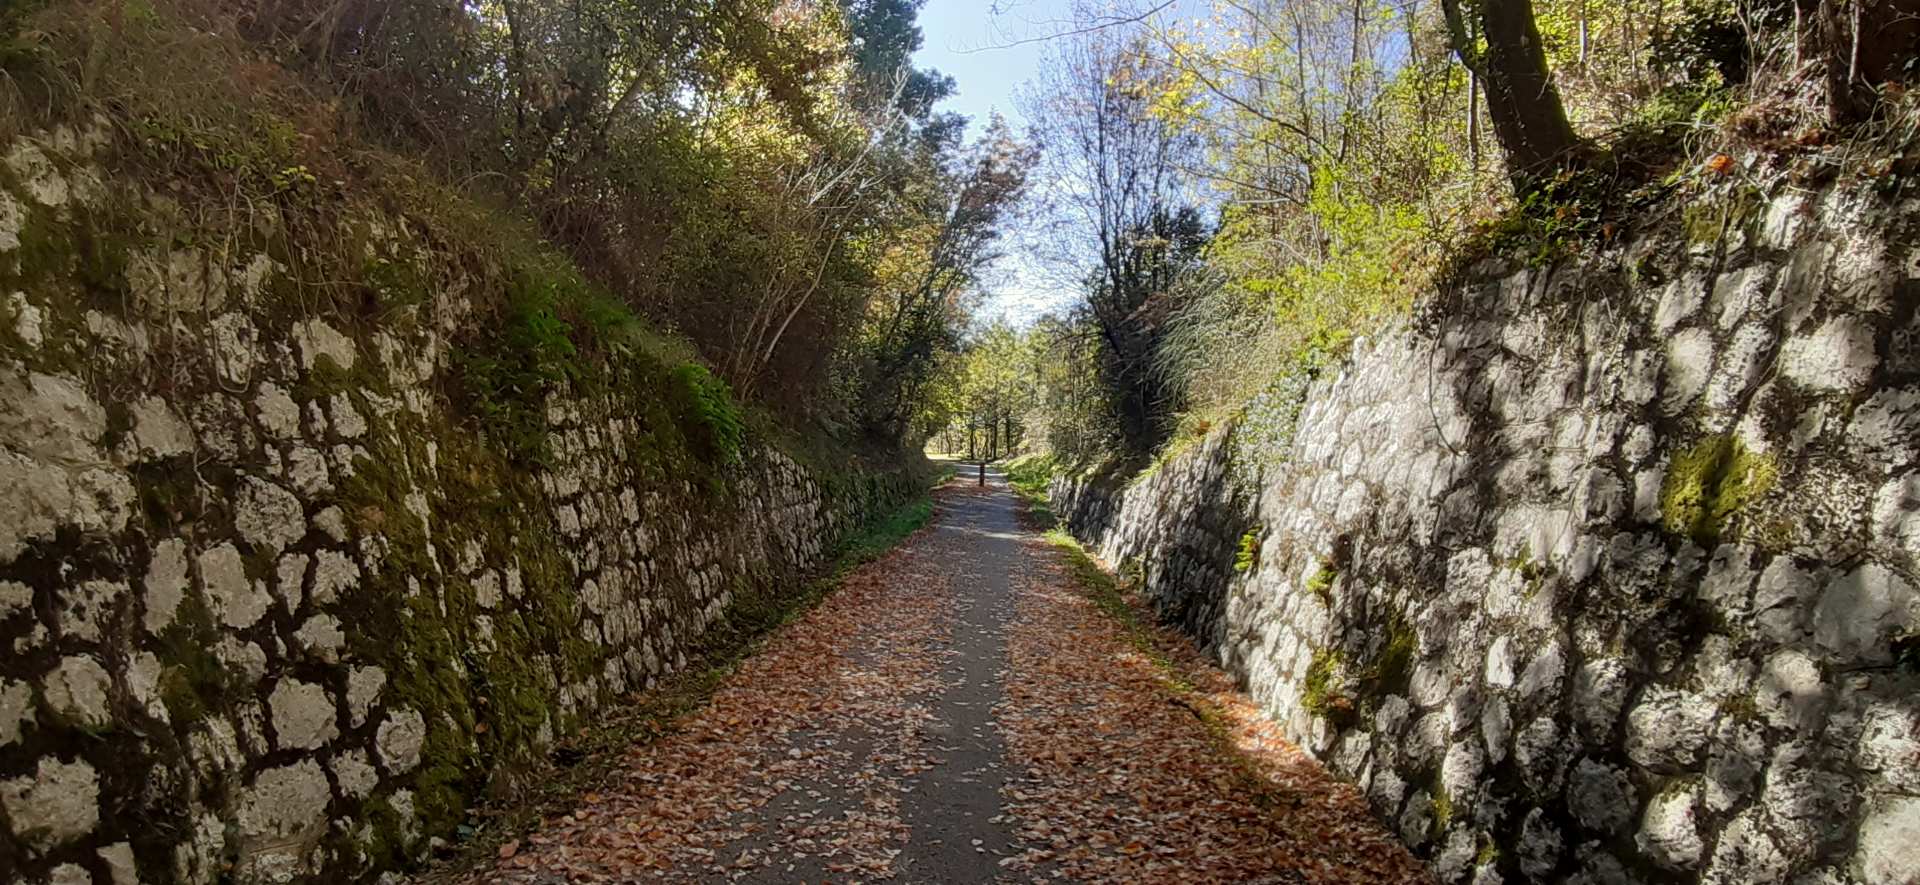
<point x="1473" y="126"/>
<point x="1528" y="117"/>
<point x="1583" y="36"/>
<point x="521" y="77"/>
<point x="1830" y="32"/>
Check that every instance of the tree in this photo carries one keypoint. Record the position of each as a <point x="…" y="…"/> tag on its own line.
<point x="919" y="317"/>
<point x="738" y="171"/>
<point x="997" y="390"/>
<point x="1857" y="45"/>
<point x="1131" y="301"/>
<point x="1509" y="59"/>
<point x="1121" y="171"/>
<point x="884" y="37"/>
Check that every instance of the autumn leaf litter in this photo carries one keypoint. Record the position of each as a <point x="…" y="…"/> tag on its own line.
<point x="797" y="769"/>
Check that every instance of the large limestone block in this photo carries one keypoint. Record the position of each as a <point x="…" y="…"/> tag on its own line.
<point x="58" y="803"/>
<point x="303" y="715"/>
<point x="281" y="815"/>
<point x="1889" y="852"/>
<point x="268" y="516"/>
<point x="1838" y="356"/>
<point x="234" y="599"/>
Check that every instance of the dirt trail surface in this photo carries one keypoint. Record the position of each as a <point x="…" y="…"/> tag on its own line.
<point x="961" y="710"/>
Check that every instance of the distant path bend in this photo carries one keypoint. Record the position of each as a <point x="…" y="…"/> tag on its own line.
<point x="961" y="711"/>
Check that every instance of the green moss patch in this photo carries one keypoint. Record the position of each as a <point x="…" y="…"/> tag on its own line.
<point x="1707" y="222"/>
<point x="1442" y="809"/>
<point x="1488" y="854"/>
<point x="194" y="682"/>
<point x="1321" y="584"/>
<point x="1391" y="671"/>
<point x="1708" y="484"/>
<point x="1324" y="694"/>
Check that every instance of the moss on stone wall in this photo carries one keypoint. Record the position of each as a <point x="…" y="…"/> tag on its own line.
<point x="1392" y="668"/>
<point x="1321" y="583"/>
<point x="1323" y="690"/>
<point x="1442" y="808"/>
<point x="440" y="473"/>
<point x="1710" y="482"/>
<point x="194" y="682"/>
<point x="1706" y="222"/>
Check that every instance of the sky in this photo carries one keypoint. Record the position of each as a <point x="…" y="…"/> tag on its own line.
<point x="983" y="52"/>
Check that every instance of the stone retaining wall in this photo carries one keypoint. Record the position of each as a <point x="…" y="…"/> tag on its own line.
<point x="1607" y="573"/>
<point x="270" y="608"/>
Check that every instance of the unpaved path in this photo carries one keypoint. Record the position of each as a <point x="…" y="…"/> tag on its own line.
<point x="961" y="711"/>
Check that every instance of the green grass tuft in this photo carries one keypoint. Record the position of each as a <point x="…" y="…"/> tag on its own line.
<point x="884" y="534"/>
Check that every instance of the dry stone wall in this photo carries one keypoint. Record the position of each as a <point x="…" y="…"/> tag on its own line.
<point x="269" y="609"/>
<point x="1606" y="573"/>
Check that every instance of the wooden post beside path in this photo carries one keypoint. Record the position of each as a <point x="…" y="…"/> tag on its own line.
<point x="983" y="473"/>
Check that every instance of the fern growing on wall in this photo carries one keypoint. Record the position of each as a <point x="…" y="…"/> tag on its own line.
<point x="708" y="414"/>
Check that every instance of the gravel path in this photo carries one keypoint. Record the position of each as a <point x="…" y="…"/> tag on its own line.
<point x="961" y="711"/>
